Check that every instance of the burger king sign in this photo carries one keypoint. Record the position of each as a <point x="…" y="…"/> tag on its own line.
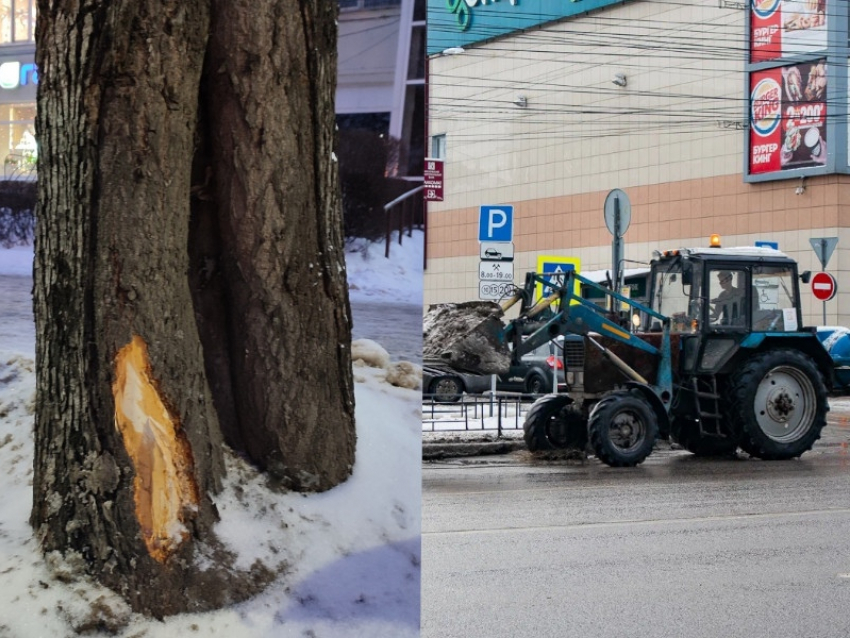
<point x="765" y="117"/>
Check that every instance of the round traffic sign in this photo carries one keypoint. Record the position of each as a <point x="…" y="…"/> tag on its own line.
<point x="823" y="286"/>
<point x="618" y="212"/>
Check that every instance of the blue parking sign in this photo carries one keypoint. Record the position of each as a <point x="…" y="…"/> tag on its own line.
<point x="496" y="223"/>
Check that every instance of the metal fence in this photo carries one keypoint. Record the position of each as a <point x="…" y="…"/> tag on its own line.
<point x="502" y="411"/>
<point x="404" y="212"/>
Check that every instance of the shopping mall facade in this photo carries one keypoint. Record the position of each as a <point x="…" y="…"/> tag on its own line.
<point x="18" y="80"/>
<point x="712" y="117"/>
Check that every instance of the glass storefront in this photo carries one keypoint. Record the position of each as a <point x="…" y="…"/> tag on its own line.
<point x="17" y="21"/>
<point x="18" y="151"/>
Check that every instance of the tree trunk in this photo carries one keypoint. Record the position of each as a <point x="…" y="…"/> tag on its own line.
<point x="277" y="196"/>
<point x="128" y="305"/>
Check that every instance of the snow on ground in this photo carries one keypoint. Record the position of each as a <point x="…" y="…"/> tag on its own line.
<point x="474" y="415"/>
<point x="16" y="261"/>
<point x="371" y="278"/>
<point x="352" y="554"/>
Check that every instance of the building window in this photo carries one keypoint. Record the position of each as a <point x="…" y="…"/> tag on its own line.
<point x="367" y="4"/>
<point x="17" y="21"/>
<point x="438" y="146"/>
<point x="17" y="141"/>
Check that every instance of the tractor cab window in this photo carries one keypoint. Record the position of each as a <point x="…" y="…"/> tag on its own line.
<point x="774" y="305"/>
<point x="672" y="291"/>
<point x="728" y="298"/>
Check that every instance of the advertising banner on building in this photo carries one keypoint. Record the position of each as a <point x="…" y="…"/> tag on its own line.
<point x="788" y="118"/>
<point x="458" y="23"/>
<point x="779" y="28"/>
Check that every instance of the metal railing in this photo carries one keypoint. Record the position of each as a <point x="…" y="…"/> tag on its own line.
<point x="402" y="213"/>
<point x="499" y="412"/>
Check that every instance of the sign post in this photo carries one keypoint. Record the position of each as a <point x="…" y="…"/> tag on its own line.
<point x="618" y="216"/>
<point x="824" y="288"/>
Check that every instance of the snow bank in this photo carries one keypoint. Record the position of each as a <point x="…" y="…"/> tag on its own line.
<point x="373" y="277"/>
<point x="366" y="353"/>
<point x="349" y="558"/>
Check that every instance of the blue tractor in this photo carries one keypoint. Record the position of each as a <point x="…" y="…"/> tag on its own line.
<point x="718" y="359"/>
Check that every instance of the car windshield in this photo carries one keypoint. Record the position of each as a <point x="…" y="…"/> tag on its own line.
<point x="672" y="298"/>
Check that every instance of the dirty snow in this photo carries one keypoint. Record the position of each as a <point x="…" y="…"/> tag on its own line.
<point x="352" y="553"/>
<point x="467" y="336"/>
<point x="373" y="277"/>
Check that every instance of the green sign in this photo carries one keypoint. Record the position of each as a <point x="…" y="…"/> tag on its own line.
<point x="457" y="23"/>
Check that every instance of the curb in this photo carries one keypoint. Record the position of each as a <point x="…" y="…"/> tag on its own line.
<point x="437" y="451"/>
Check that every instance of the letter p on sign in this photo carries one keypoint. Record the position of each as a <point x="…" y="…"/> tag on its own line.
<point x="496" y="223"/>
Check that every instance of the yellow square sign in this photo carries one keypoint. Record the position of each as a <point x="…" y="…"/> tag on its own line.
<point x="553" y="269"/>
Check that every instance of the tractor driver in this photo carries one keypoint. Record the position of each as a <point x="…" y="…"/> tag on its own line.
<point x="728" y="306"/>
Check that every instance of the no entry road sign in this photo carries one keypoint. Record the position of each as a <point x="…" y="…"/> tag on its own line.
<point x="823" y="286"/>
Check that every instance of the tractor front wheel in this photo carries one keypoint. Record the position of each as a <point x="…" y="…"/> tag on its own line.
<point x="553" y="424"/>
<point x="622" y="428"/>
<point x="779" y="404"/>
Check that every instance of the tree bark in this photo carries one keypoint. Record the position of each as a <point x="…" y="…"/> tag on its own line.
<point x="156" y="216"/>
<point x="277" y="195"/>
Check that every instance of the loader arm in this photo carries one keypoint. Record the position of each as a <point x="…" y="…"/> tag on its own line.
<point x="579" y="316"/>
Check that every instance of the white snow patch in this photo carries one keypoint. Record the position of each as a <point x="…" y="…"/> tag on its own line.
<point x="369" y="352"/>
<point x="373" y="277"/>
<point x="350" y="557"/>
<point x="16" y="261"/>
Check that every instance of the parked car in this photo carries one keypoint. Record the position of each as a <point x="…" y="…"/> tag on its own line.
<point x="533" y="375"/>
<point x="446" y="386"/>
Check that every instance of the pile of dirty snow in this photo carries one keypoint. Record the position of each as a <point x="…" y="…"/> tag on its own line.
<point x="466" y="336"/>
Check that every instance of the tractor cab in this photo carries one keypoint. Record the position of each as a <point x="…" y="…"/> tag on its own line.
<point x="720" y="298"/>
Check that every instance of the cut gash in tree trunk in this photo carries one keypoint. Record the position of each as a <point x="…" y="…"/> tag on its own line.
<point x="189" y="284"/>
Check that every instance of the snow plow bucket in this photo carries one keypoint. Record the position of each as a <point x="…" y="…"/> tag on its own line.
<point x="467" y="336"/>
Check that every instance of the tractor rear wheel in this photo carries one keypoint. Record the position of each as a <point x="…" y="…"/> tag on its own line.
<point x="622" y="428"/>
<point x="553" y="424"/>
<point x="779" y="404"/>
<point x="686" y="433"/>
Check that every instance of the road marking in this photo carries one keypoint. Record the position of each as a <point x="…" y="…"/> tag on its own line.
<point x="650" y="521"/>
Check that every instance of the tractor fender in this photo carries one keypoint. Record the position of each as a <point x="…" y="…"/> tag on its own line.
<point x="805" y="342"/>
<point x="657" y="406"/>
<point x="550" y="401"/>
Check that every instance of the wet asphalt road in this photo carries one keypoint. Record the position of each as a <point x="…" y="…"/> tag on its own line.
<point x="679" y="547"/>
<point x="397" y="327"/>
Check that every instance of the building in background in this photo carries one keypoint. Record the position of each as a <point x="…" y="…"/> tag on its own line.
<point x="381" y="82"/>
<point x="713" y="117"/>
<point x="18" y="79"/>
